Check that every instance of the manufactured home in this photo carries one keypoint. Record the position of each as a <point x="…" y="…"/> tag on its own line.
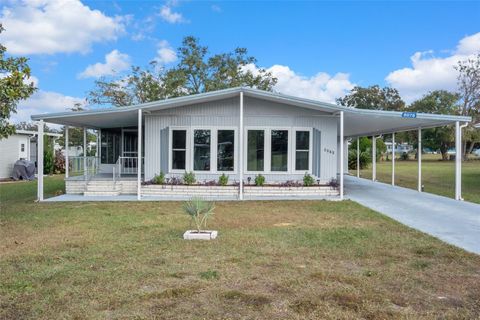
<point x="240" y="133"/>
<point x="22" y="145"/>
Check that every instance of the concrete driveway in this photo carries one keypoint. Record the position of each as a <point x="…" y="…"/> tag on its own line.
<point x="455" y="222"/>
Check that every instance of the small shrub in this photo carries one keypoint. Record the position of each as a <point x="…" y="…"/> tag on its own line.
<point x="59" y="162"/>
<point x="199" y="210"/>
<point x="334" y="184"/>
<point x="174" y="181"/>
<point x="259" y="180"/>
<point x="189" y="178"/>
<point x="48" y="156"/>
<point x="159" y="179"/>
<point x="209" y="275"/>
<point x="223" y="180"/>
<point x="404" y="156"/>
<point x="308" y="180"/>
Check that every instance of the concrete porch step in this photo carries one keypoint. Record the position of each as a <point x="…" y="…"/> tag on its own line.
<point x="101" y="193"/>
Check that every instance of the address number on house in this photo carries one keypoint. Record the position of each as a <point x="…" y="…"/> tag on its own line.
<point x="409" y="114"/>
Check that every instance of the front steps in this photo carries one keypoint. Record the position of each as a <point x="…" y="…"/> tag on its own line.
<point x="102" y="188"/>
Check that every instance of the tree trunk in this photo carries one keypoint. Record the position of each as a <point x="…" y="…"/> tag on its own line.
<point x="470" y="148"/>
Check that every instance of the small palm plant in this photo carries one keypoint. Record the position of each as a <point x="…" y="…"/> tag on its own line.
<point x="199" y="210"/>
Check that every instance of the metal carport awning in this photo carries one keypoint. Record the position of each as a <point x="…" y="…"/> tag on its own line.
<point x="372" y="122"/>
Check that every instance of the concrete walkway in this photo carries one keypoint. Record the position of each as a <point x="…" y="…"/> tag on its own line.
<point x="452" y="221"/>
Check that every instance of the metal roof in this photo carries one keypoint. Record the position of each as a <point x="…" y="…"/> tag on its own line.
<point x="34" y="133"/>
<point x="357" y="121"/>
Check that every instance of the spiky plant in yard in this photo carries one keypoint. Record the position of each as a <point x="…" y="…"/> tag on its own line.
<point x="199" y="210"/>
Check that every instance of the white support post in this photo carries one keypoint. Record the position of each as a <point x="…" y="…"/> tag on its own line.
<point x="139" y="156"/>
<point x="85" y="152"/>
<point x="40" y="161"/>
<point x="393" y="159"/>
<point x="341" y="154"/>
<point x="240" y="148"/>
<point x="97" y="144"/>
<point x="358" y="157"/>
<point x="419" y="158"/>
<point x="458" y="161"/>
<point x="67" y="165"/>
<point x="374" y="158"/>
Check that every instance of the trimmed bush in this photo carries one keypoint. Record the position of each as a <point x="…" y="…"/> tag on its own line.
<point x="189" y="178"/>
<point x="259" y="180"/>
<point x="160" y="178"/>
<point x="223" y="180"/>
<point x="308" y="180"/>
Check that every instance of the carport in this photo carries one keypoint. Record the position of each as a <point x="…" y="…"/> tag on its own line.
<point x="373" y="123"/>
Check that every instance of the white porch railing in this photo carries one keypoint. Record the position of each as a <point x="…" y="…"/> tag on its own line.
<point x="126" y="166"/>
<point x="86" y="166"/>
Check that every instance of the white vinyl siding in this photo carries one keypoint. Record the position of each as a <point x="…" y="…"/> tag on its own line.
<point x="224" y="114"/>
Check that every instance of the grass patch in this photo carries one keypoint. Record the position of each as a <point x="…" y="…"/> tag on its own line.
<point x="254" y="300"/>
<point x="209" y="275"/>
<point x="272" y="259"/>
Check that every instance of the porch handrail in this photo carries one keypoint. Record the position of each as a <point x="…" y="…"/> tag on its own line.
<point x="127" y="165"/>
<point x="86" y="166"/>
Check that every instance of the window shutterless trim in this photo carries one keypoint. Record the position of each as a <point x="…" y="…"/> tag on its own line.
<point x="170" y="149"/>
<point x="310" y="150"/>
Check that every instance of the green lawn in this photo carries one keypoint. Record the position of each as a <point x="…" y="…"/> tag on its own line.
<point x="437" y="176"/>
<point x="276" y="260"/>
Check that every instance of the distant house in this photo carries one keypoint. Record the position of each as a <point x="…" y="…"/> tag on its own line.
<point x="400" y="148"/>
<point x="20" y="146"/>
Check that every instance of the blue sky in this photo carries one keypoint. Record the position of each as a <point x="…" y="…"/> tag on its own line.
<point x="316" y="49"/>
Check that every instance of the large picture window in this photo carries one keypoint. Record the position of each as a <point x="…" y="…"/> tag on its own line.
<point x="179" y="149"/>
<point x="225" y="150"/>
<point x="255" y="150"/>
<point x="302" y="150"/>
<point x="201" y="150"/>
<point x="279" y="153"/>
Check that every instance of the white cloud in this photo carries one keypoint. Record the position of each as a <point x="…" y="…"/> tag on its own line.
<point x="44" y="102"/>
<point x="322" y="86"/>
<point x="165" y="53"/>
<point x="216" y="8"/>
<point x="53" y="26"/>
<point x="429" y="72"/>
<point x="115" y="62"/>
<point x="167" y="14"/>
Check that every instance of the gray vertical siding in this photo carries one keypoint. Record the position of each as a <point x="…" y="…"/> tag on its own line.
<point x="256" y="113"/>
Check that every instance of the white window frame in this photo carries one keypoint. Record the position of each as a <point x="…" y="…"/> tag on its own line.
<point x="213" y="149"/>
<point x="289" y="150"/>
<point x="170" y="149"/>
<point x="192" y="148"/>
<point x="268" y="149"/>
<point x="292" y="131"/>
<point x="310" y="153"/>
<point x="235" y="150"/>
<point x="266" y="146"/>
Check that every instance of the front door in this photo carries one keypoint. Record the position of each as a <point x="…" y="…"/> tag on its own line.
<point x="130" y="143"/>
<point x="130" y="152"/>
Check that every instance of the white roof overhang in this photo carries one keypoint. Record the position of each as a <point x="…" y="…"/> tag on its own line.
<point x="358" y="122"/>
